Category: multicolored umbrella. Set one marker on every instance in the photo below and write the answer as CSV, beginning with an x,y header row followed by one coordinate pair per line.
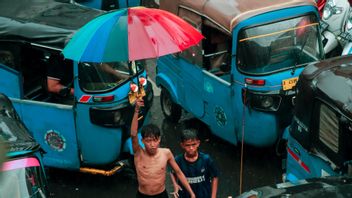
x,y
131,34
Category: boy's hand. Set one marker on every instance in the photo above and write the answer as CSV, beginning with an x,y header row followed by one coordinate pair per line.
x,y
139,103
176,189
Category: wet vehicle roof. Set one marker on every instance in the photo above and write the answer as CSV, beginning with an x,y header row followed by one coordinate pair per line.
x,y
12,131
47,23
314,187
230,12
333,78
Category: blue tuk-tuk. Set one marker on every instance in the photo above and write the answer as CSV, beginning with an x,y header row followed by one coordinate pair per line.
x,y
109,4
239,80
22,174
321,130
113,4
87,132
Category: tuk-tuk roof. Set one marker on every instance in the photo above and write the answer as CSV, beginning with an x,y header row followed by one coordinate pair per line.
x,y
13,132
331,80
230,12
48,23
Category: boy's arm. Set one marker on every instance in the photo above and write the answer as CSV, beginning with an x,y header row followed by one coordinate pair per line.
x,y
214,187
134,126
180,174
176,186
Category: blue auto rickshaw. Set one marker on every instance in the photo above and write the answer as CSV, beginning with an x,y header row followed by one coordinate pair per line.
x,y
113,4
321,130
22,174
87,132
109,4
240,79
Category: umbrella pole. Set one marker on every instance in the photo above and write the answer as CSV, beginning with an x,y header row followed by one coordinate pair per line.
x,y
139,92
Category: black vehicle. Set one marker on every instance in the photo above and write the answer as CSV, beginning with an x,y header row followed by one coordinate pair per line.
x,y
311,188
319,138
22,174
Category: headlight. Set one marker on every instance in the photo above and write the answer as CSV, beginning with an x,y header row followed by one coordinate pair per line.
x,y
117,116
110,116
327,12
330,9
263,101
349,22
266,101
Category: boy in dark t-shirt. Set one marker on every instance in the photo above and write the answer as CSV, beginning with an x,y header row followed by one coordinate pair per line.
x,y
198,167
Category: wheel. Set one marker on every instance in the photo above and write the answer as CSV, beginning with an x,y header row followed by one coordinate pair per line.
x,y
171,110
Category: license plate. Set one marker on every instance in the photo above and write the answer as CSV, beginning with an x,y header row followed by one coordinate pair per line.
x,y
288,84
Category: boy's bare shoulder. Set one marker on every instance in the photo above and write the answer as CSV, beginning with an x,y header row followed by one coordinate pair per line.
x,y
165,151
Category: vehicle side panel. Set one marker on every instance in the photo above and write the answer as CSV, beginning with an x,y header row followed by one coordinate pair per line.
x,y
52,125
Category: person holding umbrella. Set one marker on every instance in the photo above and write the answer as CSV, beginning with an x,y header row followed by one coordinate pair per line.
x,y
133,34
151,162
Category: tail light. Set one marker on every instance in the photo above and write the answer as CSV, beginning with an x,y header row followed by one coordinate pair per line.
x,y
103,98
258,82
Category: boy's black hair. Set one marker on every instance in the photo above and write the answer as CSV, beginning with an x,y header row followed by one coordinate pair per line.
x,y
150,130
189,134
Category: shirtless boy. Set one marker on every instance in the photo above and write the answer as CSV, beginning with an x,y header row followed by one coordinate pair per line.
x,y
151,162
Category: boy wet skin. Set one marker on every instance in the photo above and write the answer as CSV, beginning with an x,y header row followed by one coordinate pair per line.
x,y
151,162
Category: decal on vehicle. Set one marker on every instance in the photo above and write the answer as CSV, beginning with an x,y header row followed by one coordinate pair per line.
x,y
85,98
220,116
55,140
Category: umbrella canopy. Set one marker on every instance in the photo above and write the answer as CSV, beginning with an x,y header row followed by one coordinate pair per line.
x,y
131,34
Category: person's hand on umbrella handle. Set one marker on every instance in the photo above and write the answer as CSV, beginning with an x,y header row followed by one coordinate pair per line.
x,y
176,189
139,103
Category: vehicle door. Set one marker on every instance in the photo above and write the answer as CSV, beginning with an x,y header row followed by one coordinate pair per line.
x,y
51,124
218,92
207,81
102,109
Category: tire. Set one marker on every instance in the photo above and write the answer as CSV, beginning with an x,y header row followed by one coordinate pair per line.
x,y
171,110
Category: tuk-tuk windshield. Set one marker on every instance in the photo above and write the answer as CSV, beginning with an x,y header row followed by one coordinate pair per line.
x,y
279,46
22,178
100,77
